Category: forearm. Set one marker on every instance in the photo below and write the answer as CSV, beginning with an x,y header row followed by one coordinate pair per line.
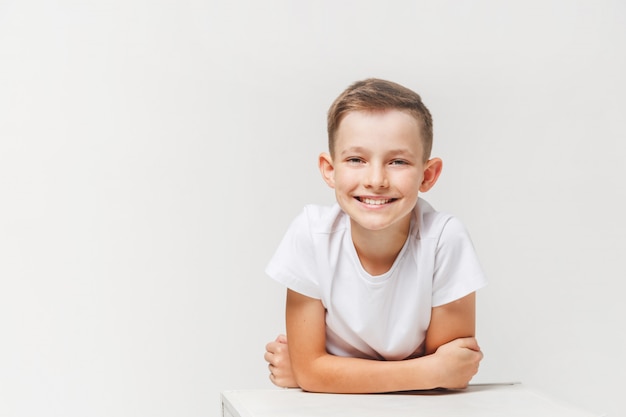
x,y
329,373
452,365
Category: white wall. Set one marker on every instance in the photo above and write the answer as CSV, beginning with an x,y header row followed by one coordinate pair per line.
x,y
152,154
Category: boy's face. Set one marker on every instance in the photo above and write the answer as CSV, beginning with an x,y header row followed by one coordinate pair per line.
x,y
378,169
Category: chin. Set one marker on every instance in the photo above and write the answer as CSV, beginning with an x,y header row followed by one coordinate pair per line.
x,y
374,226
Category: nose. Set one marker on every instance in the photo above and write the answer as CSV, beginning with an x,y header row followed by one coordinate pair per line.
x,y
377,177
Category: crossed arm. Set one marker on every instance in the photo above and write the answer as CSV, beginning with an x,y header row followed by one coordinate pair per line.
x,y
451,359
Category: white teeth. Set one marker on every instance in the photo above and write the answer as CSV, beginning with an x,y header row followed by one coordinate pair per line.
x,y
374,202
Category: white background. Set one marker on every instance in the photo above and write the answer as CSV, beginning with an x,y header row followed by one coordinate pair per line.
x,y
152,154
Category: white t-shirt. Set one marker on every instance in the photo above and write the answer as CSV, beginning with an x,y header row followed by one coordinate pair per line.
x,y
385,316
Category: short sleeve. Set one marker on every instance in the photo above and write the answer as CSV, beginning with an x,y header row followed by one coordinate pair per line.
x,y
294,262
457,269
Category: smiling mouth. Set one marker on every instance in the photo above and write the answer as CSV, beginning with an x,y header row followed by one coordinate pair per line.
x,y
375,201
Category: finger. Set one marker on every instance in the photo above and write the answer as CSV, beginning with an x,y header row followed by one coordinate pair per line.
x,y
469,343
276,372
268,356
273,379
281,338
277,347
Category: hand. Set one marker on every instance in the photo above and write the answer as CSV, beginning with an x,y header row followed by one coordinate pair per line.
x,y
457,362
277,355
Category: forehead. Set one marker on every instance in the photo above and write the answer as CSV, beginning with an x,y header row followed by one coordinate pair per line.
x,y
393,128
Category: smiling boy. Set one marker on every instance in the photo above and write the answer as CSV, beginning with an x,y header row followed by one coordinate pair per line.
x,y
380,286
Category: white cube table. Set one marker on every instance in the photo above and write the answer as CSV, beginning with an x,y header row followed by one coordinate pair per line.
x,y
480,400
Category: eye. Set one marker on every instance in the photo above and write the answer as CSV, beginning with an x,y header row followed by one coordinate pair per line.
x,y
354,160
399,162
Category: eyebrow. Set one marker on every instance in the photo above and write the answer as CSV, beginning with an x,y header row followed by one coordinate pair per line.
x,y
361,150
352,149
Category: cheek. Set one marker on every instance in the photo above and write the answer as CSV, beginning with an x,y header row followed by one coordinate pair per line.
x,y
409,183
345,180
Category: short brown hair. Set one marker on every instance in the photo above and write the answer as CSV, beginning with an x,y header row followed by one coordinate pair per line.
x,y
375,94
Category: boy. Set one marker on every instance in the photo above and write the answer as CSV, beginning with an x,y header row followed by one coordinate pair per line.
x,y
380,286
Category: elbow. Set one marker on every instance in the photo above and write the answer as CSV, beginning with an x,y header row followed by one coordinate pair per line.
x,y
311,380
307,381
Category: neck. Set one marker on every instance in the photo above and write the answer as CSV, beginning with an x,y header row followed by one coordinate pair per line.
x,y
378,249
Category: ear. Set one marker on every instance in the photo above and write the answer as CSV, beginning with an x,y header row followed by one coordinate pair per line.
x,y
431,174
327,169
